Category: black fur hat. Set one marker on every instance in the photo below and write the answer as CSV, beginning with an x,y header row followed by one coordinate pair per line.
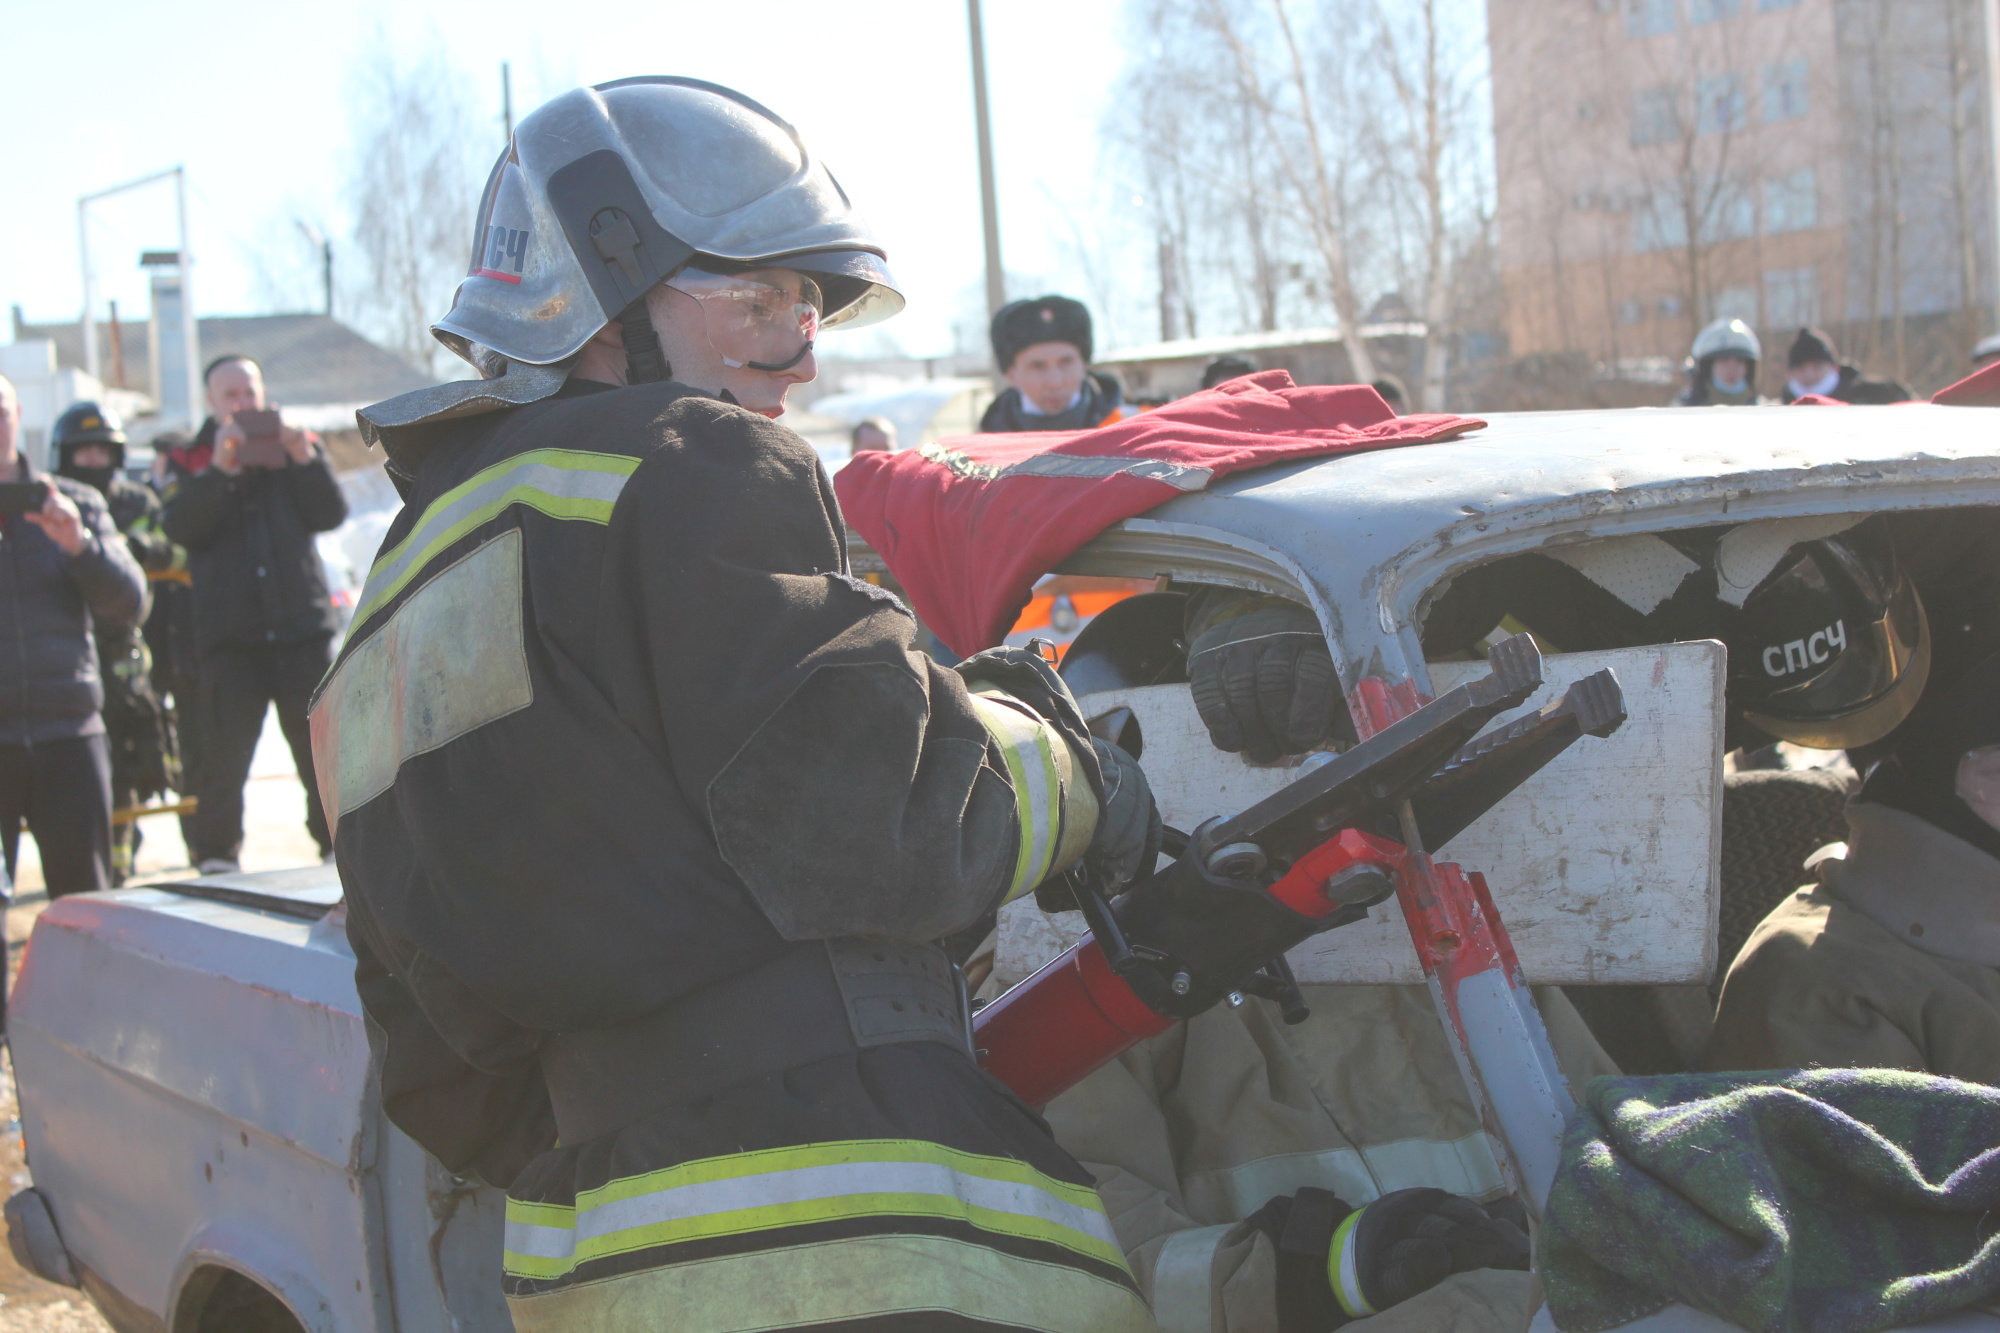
x,y
1225,368
1045,319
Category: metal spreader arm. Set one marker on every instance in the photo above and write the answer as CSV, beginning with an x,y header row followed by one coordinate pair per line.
x,y
1487,769
1361,787
1307,859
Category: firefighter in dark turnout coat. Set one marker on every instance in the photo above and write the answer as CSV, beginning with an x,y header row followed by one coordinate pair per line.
x,y
648,813
89,441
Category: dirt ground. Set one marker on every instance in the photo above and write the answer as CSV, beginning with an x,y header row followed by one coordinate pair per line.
x,y
274,838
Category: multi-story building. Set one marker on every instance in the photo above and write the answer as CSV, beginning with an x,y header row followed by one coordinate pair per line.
x,y
1662,163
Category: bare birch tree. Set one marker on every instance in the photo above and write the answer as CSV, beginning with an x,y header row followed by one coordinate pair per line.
x,y
419,151
1427,143
1289,109
1309,159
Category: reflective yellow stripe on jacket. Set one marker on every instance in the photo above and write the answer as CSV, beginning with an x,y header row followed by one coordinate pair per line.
x,y
1055,804
847,1283
562,483
812,1183
450,658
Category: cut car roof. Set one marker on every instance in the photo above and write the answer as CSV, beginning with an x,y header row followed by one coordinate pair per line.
x,y
1365,536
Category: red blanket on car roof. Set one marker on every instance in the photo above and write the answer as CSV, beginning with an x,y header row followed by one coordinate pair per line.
x,y
968,525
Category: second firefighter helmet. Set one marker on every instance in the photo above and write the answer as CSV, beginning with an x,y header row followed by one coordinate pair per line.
x,y
88,422
607,190
1832,649
1726,337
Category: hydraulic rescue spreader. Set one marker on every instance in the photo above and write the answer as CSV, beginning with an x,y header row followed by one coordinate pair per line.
x,y
1313,857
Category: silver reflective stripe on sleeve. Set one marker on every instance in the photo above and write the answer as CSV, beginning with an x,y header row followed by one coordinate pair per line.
x,y
1183,1292
1028,747
449,660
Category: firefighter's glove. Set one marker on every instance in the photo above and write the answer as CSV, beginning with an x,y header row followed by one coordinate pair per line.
x,y
1260,672
1127,842
1025,676
1336,1263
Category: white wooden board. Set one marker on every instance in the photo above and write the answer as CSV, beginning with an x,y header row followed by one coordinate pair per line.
x,y
1605,865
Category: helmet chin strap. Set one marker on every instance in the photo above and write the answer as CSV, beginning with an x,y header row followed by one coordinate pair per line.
x,y
769,366
644,362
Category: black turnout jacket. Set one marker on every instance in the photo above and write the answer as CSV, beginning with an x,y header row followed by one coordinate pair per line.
x,y
613,723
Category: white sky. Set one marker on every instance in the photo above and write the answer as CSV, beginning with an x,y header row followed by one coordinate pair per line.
x,y
251,99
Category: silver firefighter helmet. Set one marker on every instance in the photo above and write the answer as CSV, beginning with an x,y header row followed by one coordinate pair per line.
x,y
1726,337
606,190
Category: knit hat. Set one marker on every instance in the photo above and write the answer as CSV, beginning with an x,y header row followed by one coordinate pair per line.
x,y
1812,345
1046,319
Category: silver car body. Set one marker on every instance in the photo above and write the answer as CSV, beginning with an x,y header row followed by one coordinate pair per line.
x,y
196,1101
194,1073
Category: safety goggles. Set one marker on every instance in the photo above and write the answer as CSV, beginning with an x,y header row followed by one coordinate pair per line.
x,y
755,321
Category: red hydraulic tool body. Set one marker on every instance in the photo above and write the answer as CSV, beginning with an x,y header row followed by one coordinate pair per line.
x,y
1310,858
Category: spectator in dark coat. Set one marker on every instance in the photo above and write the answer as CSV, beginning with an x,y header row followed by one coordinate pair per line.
x,y
1224,369
872,433
263,622
170,626
1816,368
88,443
1394,394
1043,349
61,568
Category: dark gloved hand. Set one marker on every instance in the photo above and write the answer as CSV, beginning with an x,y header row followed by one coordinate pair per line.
x,y
1336,1263
1127,844
1022,673
1260,673
1129,832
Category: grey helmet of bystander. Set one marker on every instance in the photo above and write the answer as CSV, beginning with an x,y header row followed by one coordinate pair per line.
x,y
1722,338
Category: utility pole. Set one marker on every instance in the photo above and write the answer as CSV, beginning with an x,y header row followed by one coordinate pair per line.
x,y
507,99
117,350
989,204
89,287
190,334
1992,8
316,237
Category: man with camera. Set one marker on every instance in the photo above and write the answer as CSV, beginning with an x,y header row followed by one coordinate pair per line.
x,y
64,566
246,500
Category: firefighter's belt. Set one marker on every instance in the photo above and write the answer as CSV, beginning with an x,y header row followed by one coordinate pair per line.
x,y
816,1001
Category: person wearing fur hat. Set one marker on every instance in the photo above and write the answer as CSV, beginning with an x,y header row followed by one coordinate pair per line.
x,y
1892,960
1042,347
1816,369
1224,369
